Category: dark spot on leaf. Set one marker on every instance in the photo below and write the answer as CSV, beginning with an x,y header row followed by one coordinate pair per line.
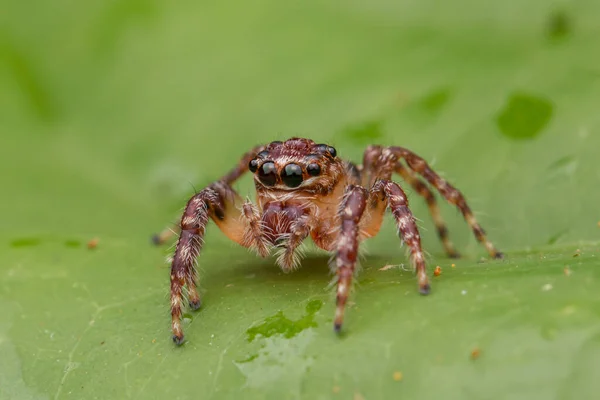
x,y
558,25
561,163
72,243
365,132
279,324
524,116
25,242
248,359
435,101
556,237
561,168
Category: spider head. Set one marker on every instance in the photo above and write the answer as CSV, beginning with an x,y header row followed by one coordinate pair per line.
x,y
296,164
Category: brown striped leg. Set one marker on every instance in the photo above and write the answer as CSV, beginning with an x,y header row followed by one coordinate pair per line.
x,y
451,194
407,227
421,188
351,210
219,202
371,166
289,258
190,241
229,178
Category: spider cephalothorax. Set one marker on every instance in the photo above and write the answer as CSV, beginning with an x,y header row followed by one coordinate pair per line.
x,y
304,189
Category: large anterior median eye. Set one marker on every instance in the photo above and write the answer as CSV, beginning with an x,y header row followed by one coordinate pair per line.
x,y
267,173
292,175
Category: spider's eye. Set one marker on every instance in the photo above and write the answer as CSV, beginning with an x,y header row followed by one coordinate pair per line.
x,y
292,175
313,169
267,173
253,165
263,154
331,150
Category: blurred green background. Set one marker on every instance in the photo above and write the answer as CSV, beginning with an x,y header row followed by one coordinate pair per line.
x,y
111,112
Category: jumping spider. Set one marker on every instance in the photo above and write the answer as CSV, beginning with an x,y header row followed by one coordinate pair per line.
x,y
303,189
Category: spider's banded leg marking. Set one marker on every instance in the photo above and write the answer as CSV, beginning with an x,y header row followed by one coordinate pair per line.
x,y
422,190
289,259
407,227
351,211
193,224
218,201
371,166
229,178
450,193
378,163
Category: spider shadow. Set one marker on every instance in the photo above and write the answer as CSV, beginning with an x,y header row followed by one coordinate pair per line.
x,y
313,267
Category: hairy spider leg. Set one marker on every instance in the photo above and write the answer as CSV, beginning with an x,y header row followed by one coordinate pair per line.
x,y
389,192
422,190
379,163
238,221
356,223
449,192
350,212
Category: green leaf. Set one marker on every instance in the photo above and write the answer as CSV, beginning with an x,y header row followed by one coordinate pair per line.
x,y
114,114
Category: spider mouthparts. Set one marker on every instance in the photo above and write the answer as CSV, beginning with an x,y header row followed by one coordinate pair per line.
x,y
178,340
425,289
499,255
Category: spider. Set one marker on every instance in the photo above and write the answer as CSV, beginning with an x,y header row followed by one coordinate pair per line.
x,y
304,189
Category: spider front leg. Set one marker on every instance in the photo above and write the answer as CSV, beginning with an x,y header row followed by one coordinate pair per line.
x,y
221,203
183,271
384,194
350,213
